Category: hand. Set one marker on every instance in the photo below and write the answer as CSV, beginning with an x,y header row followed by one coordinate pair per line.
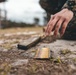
x,y
61,18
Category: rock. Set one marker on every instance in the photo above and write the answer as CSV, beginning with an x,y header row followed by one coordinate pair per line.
x,y
20,62
73,67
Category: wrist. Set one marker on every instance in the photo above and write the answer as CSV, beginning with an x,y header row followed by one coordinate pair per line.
x,y
66,9
71,12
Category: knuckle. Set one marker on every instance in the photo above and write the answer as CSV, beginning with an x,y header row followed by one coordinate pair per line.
x,y
57,26
58,16
63,18
52,24
63,27
59,23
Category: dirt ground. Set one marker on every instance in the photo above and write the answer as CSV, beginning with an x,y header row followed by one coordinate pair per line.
x,y
14,61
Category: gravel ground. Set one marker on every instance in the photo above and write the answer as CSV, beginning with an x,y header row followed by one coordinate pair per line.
x,y
14,61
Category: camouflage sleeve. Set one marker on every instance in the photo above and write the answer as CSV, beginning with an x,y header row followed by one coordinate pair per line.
x,y
49,6
71,5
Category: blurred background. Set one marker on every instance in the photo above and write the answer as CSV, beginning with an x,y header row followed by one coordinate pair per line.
x,y
21,13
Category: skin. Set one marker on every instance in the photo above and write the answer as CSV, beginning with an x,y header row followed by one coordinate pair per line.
x,y
59,20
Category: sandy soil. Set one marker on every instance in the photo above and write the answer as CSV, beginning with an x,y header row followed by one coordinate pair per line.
x,y
14,61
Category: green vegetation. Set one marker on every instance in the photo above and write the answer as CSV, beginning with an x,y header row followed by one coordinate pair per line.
x,y
65,51
5,69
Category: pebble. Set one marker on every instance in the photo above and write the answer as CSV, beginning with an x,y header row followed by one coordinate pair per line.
x,y
20,62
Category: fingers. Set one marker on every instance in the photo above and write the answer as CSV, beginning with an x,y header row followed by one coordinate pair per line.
x,y
51,25
65,23
48,25
57,27
60,19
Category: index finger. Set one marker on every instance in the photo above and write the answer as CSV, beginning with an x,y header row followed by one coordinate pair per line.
x,y
52,17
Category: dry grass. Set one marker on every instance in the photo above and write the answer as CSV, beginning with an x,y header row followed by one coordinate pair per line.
x,y
25,29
